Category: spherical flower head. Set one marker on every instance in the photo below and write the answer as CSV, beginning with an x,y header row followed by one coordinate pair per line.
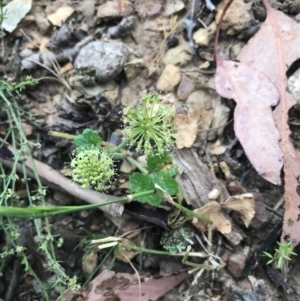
x,y
149,126
177,240
92,168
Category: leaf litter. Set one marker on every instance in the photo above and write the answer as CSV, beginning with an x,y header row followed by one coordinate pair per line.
x,y
194,120
278,41
266,58
216,212
126,287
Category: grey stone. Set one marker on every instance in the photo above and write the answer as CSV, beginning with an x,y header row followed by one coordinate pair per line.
x,y
102,60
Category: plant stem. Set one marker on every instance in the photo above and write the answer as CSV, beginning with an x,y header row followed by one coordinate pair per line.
x,y
189,212
130,245
61,135
44,211
118,147
112,148
138,165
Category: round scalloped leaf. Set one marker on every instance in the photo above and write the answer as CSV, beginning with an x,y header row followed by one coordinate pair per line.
x,y
156,161
88,139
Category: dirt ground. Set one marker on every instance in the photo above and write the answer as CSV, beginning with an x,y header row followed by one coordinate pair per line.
x,y
94,57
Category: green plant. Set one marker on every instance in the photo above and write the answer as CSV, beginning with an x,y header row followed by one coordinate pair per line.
x,y
11,181
283,252
17,87
92,168
155,174
149,126
2,17
177,240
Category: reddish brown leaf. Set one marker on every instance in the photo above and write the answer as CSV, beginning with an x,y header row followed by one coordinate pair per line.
x,y
254,125
125,287
272,50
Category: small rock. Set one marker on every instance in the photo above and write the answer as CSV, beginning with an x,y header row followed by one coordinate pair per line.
x,y
214,194
203,36
169,78
260,288
185,88
217,148
245,284
238,17
126,167
116,8
122,29
27,129
41,20
95,228
172,41
105,59
236,264
173,7
179,56
25,53
142,160
204,65
133,68
236,49
89,263
116,137
124,185
155,9
84,213
207,56
61,15
234,188
291,7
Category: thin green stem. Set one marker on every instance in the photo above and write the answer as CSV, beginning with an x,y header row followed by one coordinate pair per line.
x,y
118,147
44,211
157,252
138,165
192,213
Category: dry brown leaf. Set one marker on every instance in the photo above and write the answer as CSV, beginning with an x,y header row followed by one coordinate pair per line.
x,y
272,51
244,204
126,255
254,125
200,107
213,211
186,129
125,287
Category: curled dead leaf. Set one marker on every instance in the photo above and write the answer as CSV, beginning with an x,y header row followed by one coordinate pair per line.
x,y
186,128
244,204
214,212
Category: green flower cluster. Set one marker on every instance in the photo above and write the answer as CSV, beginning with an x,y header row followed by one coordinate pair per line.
x,y
92,168
177,240
149,126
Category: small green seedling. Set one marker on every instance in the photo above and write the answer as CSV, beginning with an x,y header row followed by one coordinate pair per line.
x,y
283,252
